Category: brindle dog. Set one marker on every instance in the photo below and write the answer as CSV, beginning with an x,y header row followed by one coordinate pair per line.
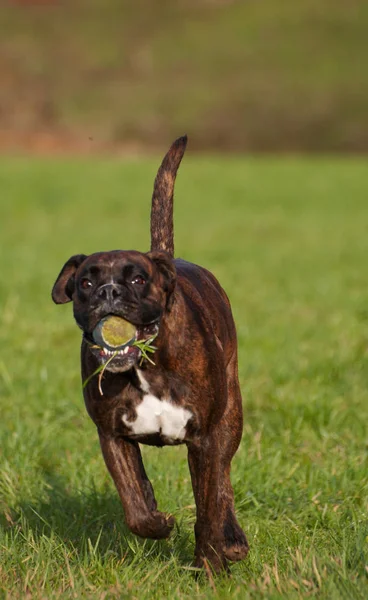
x,y
189,396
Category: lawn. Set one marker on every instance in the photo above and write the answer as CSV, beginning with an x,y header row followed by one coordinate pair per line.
x,y
288,239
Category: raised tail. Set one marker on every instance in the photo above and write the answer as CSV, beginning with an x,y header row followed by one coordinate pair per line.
x,y
162,227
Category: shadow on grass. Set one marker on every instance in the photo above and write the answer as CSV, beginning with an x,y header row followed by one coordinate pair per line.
x,y
91,524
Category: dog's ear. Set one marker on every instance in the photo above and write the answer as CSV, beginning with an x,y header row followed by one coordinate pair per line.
x,y
166,267
64,285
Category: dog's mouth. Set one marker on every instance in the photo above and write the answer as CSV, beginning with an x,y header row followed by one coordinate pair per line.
x,y
117,357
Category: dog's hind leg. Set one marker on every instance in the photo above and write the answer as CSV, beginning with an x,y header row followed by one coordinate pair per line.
x,y
124,462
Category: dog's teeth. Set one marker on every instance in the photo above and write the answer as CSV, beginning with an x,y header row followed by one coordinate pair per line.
x,y
126,350
104,351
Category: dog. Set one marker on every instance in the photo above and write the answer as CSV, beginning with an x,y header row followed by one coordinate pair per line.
x,y
190,395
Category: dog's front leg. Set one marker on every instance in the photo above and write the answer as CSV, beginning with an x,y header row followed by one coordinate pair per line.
x,y
204,466
219,537
124,462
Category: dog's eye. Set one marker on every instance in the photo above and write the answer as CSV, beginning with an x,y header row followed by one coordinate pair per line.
x,y
138,280
86,283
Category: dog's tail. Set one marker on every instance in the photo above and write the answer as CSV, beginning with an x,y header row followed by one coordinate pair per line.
x,y
162,228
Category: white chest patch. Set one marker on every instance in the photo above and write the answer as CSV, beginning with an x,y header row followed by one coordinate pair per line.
x,y
159,416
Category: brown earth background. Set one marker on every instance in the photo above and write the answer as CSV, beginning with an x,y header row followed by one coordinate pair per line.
x,y
250,75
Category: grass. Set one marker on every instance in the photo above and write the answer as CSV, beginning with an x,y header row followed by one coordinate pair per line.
x,y
288,239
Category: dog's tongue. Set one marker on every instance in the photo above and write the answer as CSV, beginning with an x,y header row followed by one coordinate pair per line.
x,y
114,332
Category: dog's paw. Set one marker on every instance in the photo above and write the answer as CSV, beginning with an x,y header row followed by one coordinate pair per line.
x,y
163,525
211,561
236,552
235,545
156,525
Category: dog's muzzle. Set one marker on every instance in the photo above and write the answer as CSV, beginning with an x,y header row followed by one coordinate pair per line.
x,y
127,356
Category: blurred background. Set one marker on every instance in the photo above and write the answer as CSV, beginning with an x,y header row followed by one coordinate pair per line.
x,y
245,75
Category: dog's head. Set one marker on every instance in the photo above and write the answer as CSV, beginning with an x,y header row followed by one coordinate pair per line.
x,y
135,286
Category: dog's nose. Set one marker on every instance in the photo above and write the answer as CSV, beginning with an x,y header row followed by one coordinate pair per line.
x,y
108,292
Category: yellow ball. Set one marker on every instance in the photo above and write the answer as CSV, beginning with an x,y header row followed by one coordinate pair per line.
x,y
113,332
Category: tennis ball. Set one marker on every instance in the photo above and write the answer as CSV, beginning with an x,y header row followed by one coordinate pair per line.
x,y
113,332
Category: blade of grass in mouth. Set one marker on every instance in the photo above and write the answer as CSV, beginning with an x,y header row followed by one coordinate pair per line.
x,y
145,346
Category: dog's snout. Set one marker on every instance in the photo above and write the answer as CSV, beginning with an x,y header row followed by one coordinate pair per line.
x,y
109,292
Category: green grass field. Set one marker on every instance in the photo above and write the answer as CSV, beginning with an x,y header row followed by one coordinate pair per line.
x,y
288,240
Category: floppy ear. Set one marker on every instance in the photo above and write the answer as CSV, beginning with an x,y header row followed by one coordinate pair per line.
x,y
64,285
166,266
